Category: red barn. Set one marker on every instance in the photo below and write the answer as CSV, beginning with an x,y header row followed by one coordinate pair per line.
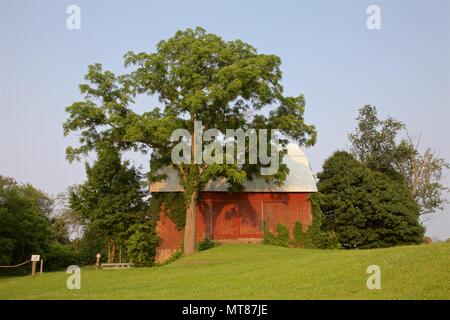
x,y
239,216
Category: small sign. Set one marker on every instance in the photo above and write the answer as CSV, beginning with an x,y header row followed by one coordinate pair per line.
x,y
35,257
98,255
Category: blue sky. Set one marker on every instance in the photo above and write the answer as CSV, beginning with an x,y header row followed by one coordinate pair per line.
x,y
328,54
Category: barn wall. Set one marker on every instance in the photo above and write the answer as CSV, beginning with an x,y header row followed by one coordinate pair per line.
x,y
171,238
224,216
241,215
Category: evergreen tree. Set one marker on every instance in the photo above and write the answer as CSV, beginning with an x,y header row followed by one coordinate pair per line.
x,y
365,208
112,199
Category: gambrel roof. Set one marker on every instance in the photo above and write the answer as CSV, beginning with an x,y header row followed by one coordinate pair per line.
x,y
300,178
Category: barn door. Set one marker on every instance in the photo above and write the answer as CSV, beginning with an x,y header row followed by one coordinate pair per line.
x,y
224,220
234,220
250,221
275,213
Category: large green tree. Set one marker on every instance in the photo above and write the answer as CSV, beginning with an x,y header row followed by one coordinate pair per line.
x,y
374,141
380,145
28,226
112,198
197,76
25,226
365,208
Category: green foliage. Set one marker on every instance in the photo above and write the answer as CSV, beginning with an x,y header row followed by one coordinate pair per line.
x,y
281,238
319,239
59,230
375,144
59,257
172,204
298,232
315,236
207,244
141,246
282,235
366,209
112,199
156,205
24,227
86,248
6,250
197,76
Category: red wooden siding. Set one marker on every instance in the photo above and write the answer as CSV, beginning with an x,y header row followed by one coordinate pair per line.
x,y
171,238
224,216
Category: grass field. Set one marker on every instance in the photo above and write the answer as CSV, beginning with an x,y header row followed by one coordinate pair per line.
x,y
258,272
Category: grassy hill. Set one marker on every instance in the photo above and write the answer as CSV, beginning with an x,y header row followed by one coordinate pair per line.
x,y
258,272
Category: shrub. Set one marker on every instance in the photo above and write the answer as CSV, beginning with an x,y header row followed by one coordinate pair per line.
x,y
298,232
315,236
280,239
141,246
323,240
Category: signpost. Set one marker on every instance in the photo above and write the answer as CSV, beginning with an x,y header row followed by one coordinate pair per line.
x,y
34,259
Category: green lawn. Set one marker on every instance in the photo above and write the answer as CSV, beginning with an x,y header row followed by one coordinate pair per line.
x,y
258,272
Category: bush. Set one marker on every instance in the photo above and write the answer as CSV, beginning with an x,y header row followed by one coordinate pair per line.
x,y
322,240
315,236
298,232
207,244
280,239
141,246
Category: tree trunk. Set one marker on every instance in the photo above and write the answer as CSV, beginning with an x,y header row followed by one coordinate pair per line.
x,y
189,229
112,255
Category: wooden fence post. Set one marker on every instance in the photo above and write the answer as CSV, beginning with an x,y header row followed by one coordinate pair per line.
x,y
33,268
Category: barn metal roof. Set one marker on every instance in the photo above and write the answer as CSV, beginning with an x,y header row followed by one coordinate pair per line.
x,y
300,178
